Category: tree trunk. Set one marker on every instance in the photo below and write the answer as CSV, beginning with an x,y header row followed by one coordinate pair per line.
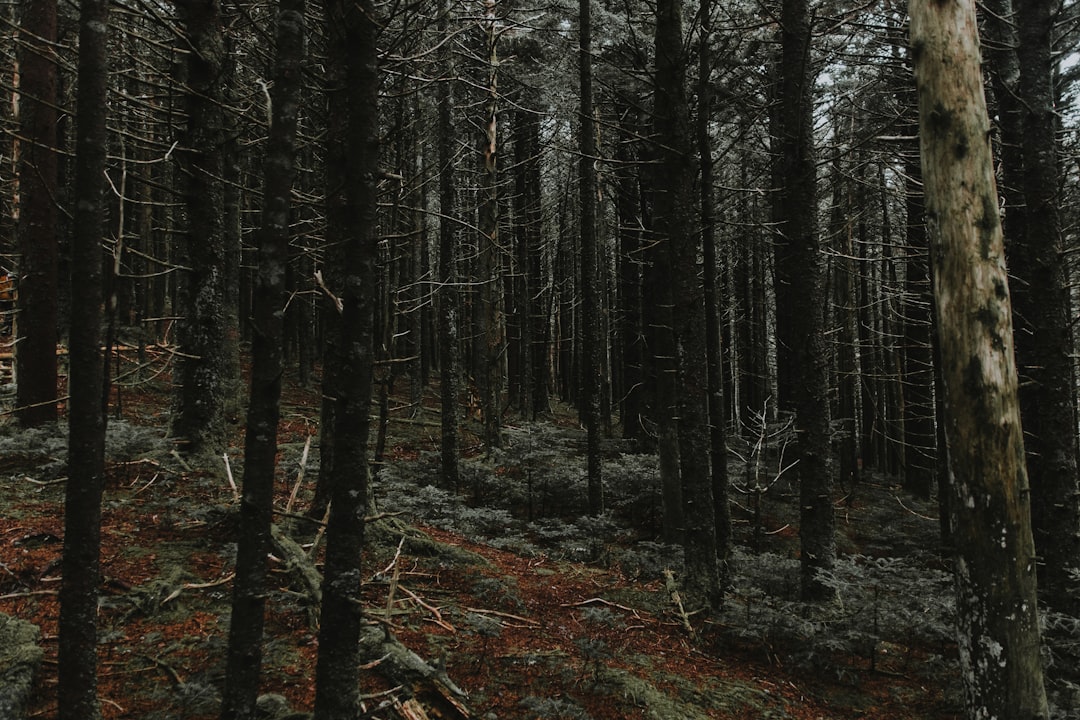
x,y
80,565
449,443
997,610
800,299
336,689
590,331
244,660
674,209
198,421
1044,340
717,419
38,182
630,330
490,356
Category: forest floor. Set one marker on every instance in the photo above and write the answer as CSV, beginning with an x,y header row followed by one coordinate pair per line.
x,y
534,612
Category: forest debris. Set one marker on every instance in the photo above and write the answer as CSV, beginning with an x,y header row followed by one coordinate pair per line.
x,y
431,687
229,476
299,565
436,613
507,615
299,475
673,592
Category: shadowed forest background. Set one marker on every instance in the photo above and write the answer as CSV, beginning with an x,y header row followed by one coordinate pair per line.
x,y
485,358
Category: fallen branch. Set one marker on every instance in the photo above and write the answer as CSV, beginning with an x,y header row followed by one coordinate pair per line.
x,y
676,598
481,611
299,475
438,618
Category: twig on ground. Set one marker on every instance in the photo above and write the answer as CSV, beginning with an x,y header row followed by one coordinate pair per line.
x,y
299,475
229,476
481,611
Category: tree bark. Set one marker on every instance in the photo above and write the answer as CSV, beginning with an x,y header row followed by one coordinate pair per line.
x,y
801,300
244,659
336,689
198,421
1044,340
80,565
590,330
674,209
997,610
449,374
38,225
717,414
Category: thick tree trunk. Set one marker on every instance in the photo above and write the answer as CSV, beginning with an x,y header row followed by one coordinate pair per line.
x,y
244,660
80,566
590,331
38,182
198,421
997,610
674,212
336,689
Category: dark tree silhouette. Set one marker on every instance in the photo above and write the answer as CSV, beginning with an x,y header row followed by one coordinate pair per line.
x,y
80,566
800,297
198,420
35,352
336,689
674,213
590,347
244,660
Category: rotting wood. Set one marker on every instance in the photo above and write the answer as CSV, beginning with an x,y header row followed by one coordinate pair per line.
x,y
673,592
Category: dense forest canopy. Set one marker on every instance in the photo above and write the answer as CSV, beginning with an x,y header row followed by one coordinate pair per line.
x,y
718,232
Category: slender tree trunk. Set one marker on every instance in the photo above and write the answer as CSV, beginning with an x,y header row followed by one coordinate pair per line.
x,y
1044,345
997,610
331,272
244,661
920,433
37,316
674,212
198,421
490,353
336,689
800,300
590,370
717,419
80,566
631,333
449,443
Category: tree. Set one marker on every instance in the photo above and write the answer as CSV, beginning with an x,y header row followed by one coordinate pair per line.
x,y
198,420
35,354
717,415
997,610
80,565
244,659
336,689
674,209
449,444
1043,313
800,298
590,346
